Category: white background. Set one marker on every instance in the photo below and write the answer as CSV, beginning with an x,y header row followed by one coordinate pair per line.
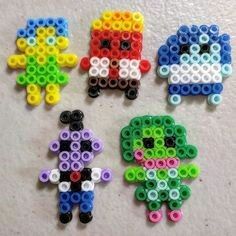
x,y
26,208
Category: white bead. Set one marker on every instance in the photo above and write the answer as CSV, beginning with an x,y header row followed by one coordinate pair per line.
x,y
103,72
217,78
104,62
135,74
174,79
54,176
195,68
124,63
87,185
94,61
96,175
216,68
206,78
134,64
93,71
205,68
184,68
195,78
64,186
123,73
185,79
174,69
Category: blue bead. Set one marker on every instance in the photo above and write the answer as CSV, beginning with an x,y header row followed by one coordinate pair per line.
x,y
194,29
21,33
61,21
185,89
64,207
206,89
61,31
217,88
183,39
203,29
225,58
174,89
214,29
214,39
163,60
195,89
31,23
225,48
41,22
183,29
87,196
174,59
86,206
173,39
224,38
50,22
75,197
64,197
193,39
31,32
163,50
174,49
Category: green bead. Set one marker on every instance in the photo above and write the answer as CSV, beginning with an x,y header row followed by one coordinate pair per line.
x,y
152,195
151,184
183,171
41,80
31,60
126,144
174,204
51,79
180,131
169,131
137,144
173,183
158,132
160,152
168,121
140,175
126,132
185,192
147,132
180,141
170,152
41,70
21,79
51,60
154,205
63,79
52,69
136,122
163,195
193,171
31,69
128,156
191,151
137,133
162,174
149,153
31,79
130,175
159,142
140,193
157,120
146,121
181,152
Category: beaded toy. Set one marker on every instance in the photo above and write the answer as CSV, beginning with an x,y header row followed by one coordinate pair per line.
x,y
115,53
195,61
41,44
159,147
76,149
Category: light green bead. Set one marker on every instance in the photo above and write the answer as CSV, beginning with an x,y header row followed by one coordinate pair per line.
x,y
195,58
215,48
173,173
184,58
194,48
215,58
162,185
226,70
163,71
205,58
174,194
203,38
152,195
151,174
214,99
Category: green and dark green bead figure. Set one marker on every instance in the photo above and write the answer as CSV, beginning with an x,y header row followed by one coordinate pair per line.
x,y
159,147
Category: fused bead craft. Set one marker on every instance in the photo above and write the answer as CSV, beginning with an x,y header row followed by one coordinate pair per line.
x,y
115,53
195,61
158,146
76,149
41,44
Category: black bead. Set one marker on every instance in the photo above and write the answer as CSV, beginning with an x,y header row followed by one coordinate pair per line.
x,y
170,141
65,145
75,186
148,142
65,217
76,126
125,45
86,174
77,115
85,217
105,43
94,91
131,93
65,117
85,146
184,49
205,48
65,176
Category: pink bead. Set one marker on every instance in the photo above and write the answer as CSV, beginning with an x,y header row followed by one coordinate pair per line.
x,y
175,215
160,163
149,164
155,216
172,162
138,155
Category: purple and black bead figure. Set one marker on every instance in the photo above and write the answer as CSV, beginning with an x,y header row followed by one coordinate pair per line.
x,y
76,149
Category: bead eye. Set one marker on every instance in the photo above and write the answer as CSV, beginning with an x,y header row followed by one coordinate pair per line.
x,y
125,45
148,142
184,49
170,141
105,43
205,48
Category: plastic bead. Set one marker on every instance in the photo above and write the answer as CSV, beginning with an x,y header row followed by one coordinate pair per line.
x,y
76,147
158,146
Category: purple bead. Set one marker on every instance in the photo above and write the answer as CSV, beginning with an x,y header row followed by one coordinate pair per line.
x,y
54,146
87,157
44,176
64,156
106,175
86,134
64,166
75,146
97,145
77,165
64,135
75,135
75,156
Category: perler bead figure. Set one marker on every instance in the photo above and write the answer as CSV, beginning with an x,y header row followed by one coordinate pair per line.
x,y
195,61
158,146
115,53
41,44
76,149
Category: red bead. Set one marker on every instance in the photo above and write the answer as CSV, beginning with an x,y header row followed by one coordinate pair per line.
x,y
113,73
95,34
115,54
135,55
115,44
144,66
116,35
136,45
95,43
124,54
106,34
85,63
105,52
125,35
95,52
136,36
75,176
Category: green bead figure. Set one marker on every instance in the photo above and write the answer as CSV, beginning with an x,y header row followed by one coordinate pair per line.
x,y
159,147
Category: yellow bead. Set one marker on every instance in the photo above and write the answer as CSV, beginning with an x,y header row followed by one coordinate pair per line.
x,y
21,44
126,26
126,16
116,25
30,51
41,59
40,41
50,31
41,50
107,15
62,42
71,60
21,61
33,99
106,25
33,88
52,88
52,98
137,27
52,50
12,61
137,16
41,31
61,60
116,16
97,24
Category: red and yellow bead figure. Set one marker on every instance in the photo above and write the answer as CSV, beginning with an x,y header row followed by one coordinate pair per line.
x,y
115,53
